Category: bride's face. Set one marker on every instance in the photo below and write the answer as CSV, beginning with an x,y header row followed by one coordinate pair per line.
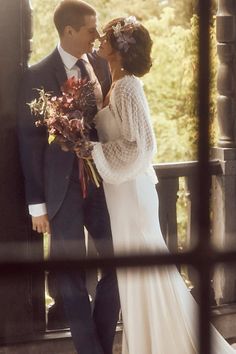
x,y
105,49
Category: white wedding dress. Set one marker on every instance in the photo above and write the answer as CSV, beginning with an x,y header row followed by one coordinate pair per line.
x,y
159,314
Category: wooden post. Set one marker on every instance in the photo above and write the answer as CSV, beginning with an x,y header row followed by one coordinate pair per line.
x,y
167,189
224,221
225,32
224,186
21,300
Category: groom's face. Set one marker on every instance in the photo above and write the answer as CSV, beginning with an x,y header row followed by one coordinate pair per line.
x,y
83,39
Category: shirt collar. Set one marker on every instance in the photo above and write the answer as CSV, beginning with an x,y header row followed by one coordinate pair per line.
x,y
69,60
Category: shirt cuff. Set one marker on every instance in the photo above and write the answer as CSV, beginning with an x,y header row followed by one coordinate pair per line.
x,y
37,209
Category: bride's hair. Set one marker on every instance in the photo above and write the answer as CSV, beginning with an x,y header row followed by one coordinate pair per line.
x,y
133,42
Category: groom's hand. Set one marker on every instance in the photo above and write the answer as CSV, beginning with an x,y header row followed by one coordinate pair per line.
x,y
41,224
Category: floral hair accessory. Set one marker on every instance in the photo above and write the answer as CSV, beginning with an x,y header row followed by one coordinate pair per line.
x,y
124,33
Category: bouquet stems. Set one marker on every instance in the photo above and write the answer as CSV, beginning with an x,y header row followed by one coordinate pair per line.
x,y
87,172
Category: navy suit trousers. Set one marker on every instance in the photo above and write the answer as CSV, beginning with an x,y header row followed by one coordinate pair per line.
x,y
92,331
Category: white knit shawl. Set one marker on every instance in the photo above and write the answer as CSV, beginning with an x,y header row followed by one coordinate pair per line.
x,y
131,154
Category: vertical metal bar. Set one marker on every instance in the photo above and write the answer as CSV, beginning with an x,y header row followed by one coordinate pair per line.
x,y
204,177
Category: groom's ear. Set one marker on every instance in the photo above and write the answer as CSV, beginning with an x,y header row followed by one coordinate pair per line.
x,y
68,30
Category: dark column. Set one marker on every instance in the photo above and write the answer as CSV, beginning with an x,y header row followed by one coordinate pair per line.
x,y
225,31
167,192
224,186
21,295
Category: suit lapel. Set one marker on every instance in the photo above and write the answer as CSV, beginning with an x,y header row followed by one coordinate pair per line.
x,y
60,72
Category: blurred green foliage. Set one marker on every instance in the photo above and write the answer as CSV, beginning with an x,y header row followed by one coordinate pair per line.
x,y
171,85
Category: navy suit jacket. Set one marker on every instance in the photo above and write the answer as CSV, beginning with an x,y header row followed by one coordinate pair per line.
x,y
46,167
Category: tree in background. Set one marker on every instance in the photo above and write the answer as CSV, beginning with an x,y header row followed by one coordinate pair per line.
x,y
171,86
186,9
45,36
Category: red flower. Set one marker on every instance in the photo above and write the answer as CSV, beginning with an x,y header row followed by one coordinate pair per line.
x,y
68,119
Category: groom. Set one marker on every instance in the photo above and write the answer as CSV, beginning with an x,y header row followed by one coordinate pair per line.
x,y
52,185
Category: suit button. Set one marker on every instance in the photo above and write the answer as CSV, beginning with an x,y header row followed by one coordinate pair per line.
x,y
67,177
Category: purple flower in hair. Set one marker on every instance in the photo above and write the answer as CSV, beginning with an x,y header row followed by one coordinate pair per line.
x,y
124,33
124,40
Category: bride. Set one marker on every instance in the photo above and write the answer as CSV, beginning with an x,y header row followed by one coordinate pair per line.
x,y
159,313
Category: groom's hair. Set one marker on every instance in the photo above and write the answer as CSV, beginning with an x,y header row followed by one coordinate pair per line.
x,y
71,13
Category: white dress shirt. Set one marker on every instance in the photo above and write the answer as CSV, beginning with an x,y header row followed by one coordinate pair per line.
x,y
72,69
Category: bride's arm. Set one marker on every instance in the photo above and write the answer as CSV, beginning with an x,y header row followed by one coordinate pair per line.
x,y
123,159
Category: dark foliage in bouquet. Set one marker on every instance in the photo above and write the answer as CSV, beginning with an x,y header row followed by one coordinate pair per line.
x,y
67,117
68,120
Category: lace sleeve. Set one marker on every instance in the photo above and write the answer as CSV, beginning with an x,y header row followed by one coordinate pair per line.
x,y
131,154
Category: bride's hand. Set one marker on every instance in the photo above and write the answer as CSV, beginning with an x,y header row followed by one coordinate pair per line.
x,y
82,156
84,151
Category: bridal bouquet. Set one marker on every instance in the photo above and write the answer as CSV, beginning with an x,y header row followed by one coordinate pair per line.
x,y
68,119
